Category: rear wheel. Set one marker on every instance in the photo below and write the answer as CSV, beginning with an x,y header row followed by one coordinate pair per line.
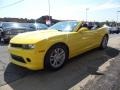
x,y
55,57
104,42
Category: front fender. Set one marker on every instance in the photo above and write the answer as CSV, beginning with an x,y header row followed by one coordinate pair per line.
x,y
52,41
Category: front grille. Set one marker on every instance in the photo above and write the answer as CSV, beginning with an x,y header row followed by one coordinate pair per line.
x,y
17,58
16,45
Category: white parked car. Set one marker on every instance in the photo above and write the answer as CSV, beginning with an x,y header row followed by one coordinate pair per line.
x,y
114,30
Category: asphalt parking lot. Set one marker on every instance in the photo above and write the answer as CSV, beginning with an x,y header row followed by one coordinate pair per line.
x,y
75,71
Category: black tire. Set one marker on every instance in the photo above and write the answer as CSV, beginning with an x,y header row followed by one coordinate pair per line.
x,y
104,42
117,32
56,57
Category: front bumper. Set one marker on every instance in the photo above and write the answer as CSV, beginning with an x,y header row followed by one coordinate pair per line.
x,y
31,59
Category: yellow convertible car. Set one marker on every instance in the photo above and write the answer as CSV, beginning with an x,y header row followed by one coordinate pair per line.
x,y
50,49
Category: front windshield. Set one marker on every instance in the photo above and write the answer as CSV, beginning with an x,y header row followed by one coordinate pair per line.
x,y
65,26
7,24
13,25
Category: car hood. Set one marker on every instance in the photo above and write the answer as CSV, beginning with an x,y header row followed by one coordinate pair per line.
x,y
35,36
14,31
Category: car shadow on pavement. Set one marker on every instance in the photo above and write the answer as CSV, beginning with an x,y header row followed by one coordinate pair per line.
x,y
73,72
14,72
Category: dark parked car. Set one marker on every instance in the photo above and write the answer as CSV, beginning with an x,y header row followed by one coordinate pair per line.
x,y
10,29
37,26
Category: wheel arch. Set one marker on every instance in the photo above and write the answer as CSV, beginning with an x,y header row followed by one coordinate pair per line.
x,y
59,43
106,35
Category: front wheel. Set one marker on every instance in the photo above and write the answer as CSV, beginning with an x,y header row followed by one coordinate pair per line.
x,y
56,57
104,42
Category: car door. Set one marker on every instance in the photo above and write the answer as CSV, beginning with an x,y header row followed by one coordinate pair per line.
x,y
90,39
82,41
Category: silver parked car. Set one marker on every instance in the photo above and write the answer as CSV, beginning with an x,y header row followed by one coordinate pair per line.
x,y
114,30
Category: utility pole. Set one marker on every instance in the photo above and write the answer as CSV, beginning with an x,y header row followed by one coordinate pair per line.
x,y
86,13
49,8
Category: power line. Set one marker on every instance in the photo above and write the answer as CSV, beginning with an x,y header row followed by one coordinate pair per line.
x,y
12,4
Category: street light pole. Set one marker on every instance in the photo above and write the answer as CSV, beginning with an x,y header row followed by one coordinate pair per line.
x,y
87,13
49,9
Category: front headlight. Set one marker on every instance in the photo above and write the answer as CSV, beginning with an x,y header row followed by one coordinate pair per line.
x,y
28,46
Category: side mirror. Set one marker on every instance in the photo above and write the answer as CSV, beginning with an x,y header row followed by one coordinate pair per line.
x,y
83,29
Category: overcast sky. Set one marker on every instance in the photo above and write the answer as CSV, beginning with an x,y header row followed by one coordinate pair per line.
x,y
98,10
